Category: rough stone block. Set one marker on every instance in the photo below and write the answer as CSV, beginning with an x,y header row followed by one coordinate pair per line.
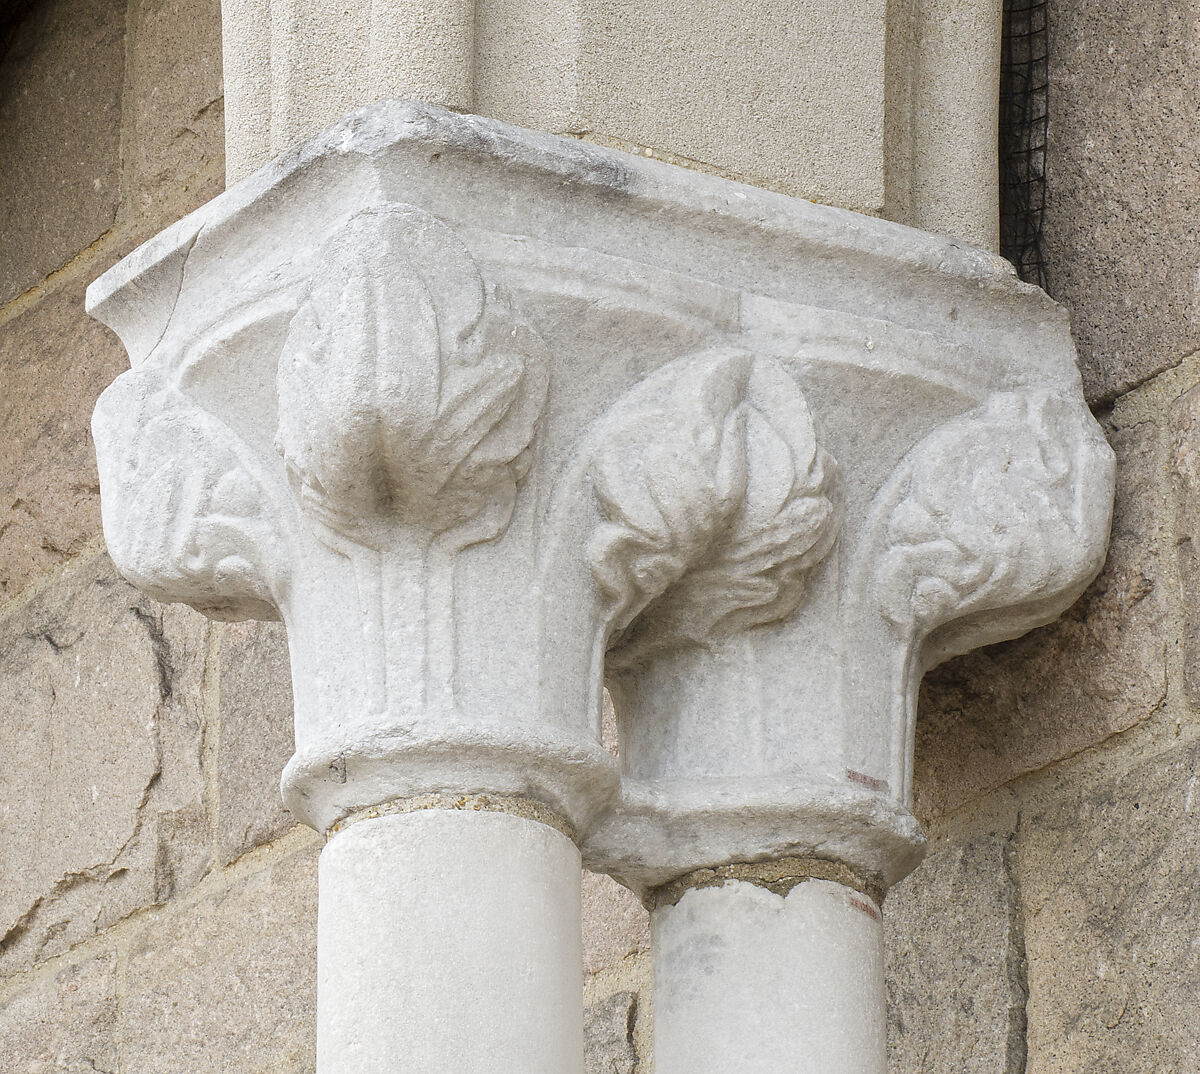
x,y
956,994
1123,184
1108,879
1012,708
608,1026
60,125
65,1023
256,737
54,362
174,115
615,923
229,983
101,725
1185,473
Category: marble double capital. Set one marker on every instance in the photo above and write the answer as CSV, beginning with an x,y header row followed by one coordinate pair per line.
x,y
493,418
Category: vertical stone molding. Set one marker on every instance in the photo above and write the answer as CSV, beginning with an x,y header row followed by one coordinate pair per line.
x,y
941,120
490,418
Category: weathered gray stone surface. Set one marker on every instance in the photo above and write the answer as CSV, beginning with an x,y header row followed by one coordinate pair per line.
x,y
956,992
608,1035
1185,473
1101,668
101,728
615,923
60,125
63,1024
175,120
214,483
1123,184
255,736
1108,879
54,362
228,984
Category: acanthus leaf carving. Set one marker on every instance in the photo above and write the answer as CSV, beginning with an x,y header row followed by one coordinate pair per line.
x,y
990,526
409,390
717,498
995,511
189,512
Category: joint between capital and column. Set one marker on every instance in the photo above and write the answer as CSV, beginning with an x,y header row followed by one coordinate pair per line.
x,y
513,805
780,876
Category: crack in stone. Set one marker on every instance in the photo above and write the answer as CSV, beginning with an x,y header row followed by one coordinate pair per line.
x,y
59,643
1016,1059
631,1017
187,255
105,871
98,1070
79,878
161,649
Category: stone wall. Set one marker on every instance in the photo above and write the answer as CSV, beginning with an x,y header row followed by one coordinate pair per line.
x,y
1052,929
157,910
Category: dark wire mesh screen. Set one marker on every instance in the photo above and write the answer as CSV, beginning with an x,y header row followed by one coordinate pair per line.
x,y
1024,116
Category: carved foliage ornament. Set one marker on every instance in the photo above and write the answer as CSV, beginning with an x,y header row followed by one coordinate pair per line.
x,y
408,391
990,512
715,497
408,396
191,512
987,529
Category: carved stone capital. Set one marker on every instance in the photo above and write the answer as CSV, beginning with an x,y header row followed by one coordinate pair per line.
x,y
490,417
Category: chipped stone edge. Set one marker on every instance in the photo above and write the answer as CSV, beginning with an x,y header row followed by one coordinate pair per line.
x,y
421,128
779,876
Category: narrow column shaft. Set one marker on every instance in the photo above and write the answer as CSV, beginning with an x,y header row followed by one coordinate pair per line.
x,y
747,981
956,180
246,73
449,943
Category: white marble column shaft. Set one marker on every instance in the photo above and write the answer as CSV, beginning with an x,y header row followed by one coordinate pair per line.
x,y
747,981
449,943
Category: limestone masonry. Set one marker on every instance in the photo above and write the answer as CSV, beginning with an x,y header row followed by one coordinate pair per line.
x,y
612,507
